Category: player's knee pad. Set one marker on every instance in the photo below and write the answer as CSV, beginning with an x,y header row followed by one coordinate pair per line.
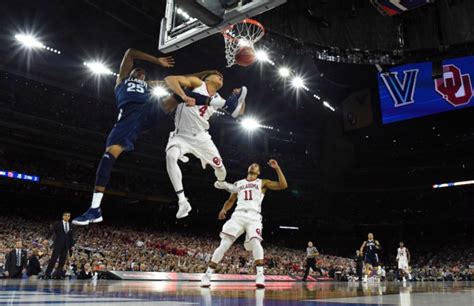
x,y
220,173
226,243
257,249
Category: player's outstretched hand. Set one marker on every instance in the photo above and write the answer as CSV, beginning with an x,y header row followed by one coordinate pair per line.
x,y
222,215
236,90
166,62
273,163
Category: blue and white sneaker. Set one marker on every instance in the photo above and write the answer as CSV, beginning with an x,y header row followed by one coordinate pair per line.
x,y
235,102
92,215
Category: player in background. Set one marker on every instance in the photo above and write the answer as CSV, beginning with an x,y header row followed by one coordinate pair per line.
x,y
191,134
403,259
246,218
371,258
139,110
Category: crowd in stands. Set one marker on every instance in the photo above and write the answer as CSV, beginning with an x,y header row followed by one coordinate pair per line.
x,y
104,248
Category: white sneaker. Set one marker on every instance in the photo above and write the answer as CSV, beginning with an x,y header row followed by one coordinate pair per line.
x,y
260,281
225,186
184,209
404,279
206,281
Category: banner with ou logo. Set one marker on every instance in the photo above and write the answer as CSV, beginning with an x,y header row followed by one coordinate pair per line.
x,y
409,91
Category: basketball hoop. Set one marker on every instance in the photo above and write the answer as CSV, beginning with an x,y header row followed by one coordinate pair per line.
x,y
242,34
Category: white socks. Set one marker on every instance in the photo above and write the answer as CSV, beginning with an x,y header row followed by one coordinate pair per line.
x,y
96,199
259,269
181,196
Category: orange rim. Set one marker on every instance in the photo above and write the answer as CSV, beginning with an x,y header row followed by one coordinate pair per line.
x,y
248,20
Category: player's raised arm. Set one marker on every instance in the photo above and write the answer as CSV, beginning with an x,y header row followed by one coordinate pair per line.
x,y
131,55
272,185
176,83
227,206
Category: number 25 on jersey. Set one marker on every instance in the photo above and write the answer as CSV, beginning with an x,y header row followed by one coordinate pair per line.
x,y
134,87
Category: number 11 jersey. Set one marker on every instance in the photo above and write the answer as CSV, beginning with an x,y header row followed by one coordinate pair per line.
x,y
249,195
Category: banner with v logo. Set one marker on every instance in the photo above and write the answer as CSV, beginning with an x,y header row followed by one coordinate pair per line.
x,y
409,91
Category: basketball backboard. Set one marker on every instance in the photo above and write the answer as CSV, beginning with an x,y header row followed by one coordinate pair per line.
x,y
179,29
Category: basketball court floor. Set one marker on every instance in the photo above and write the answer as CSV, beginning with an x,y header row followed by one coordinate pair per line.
x,y
103,292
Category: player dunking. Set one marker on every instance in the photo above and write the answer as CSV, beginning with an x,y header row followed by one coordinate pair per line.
x,y
249,194
403,259
191,130
371,258
138,112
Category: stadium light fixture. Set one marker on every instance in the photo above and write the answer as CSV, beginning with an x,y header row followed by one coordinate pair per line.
x,y
297,82
250,124
160,92
325,103
29,41
262,56
98,68
284,72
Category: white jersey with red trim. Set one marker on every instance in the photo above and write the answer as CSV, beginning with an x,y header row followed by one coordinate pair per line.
x,y
402,254
249,195
194,119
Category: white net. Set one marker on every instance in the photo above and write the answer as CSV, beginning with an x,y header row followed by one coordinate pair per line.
x,y
243,34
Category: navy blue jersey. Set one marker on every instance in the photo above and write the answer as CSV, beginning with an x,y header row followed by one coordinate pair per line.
x,y
370,247
132,90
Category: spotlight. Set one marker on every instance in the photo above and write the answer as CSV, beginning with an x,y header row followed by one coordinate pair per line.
x,y
262,56
98,68
284,72
250,124
297,82
325,103
159,92
28,41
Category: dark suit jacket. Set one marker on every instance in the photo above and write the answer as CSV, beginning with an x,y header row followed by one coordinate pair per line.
x,y
10,264
61,239
34,267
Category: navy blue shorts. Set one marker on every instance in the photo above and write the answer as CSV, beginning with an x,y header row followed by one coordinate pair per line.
x,y
372,259
133,120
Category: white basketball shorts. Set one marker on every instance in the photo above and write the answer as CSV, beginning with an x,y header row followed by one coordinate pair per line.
x,y
200,145
249,222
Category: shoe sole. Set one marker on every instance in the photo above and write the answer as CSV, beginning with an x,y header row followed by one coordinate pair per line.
x,y
260,285
185,215
241,100
83,223
205,286
97,220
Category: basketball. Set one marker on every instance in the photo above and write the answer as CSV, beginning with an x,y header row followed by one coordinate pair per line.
x,y
245,56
